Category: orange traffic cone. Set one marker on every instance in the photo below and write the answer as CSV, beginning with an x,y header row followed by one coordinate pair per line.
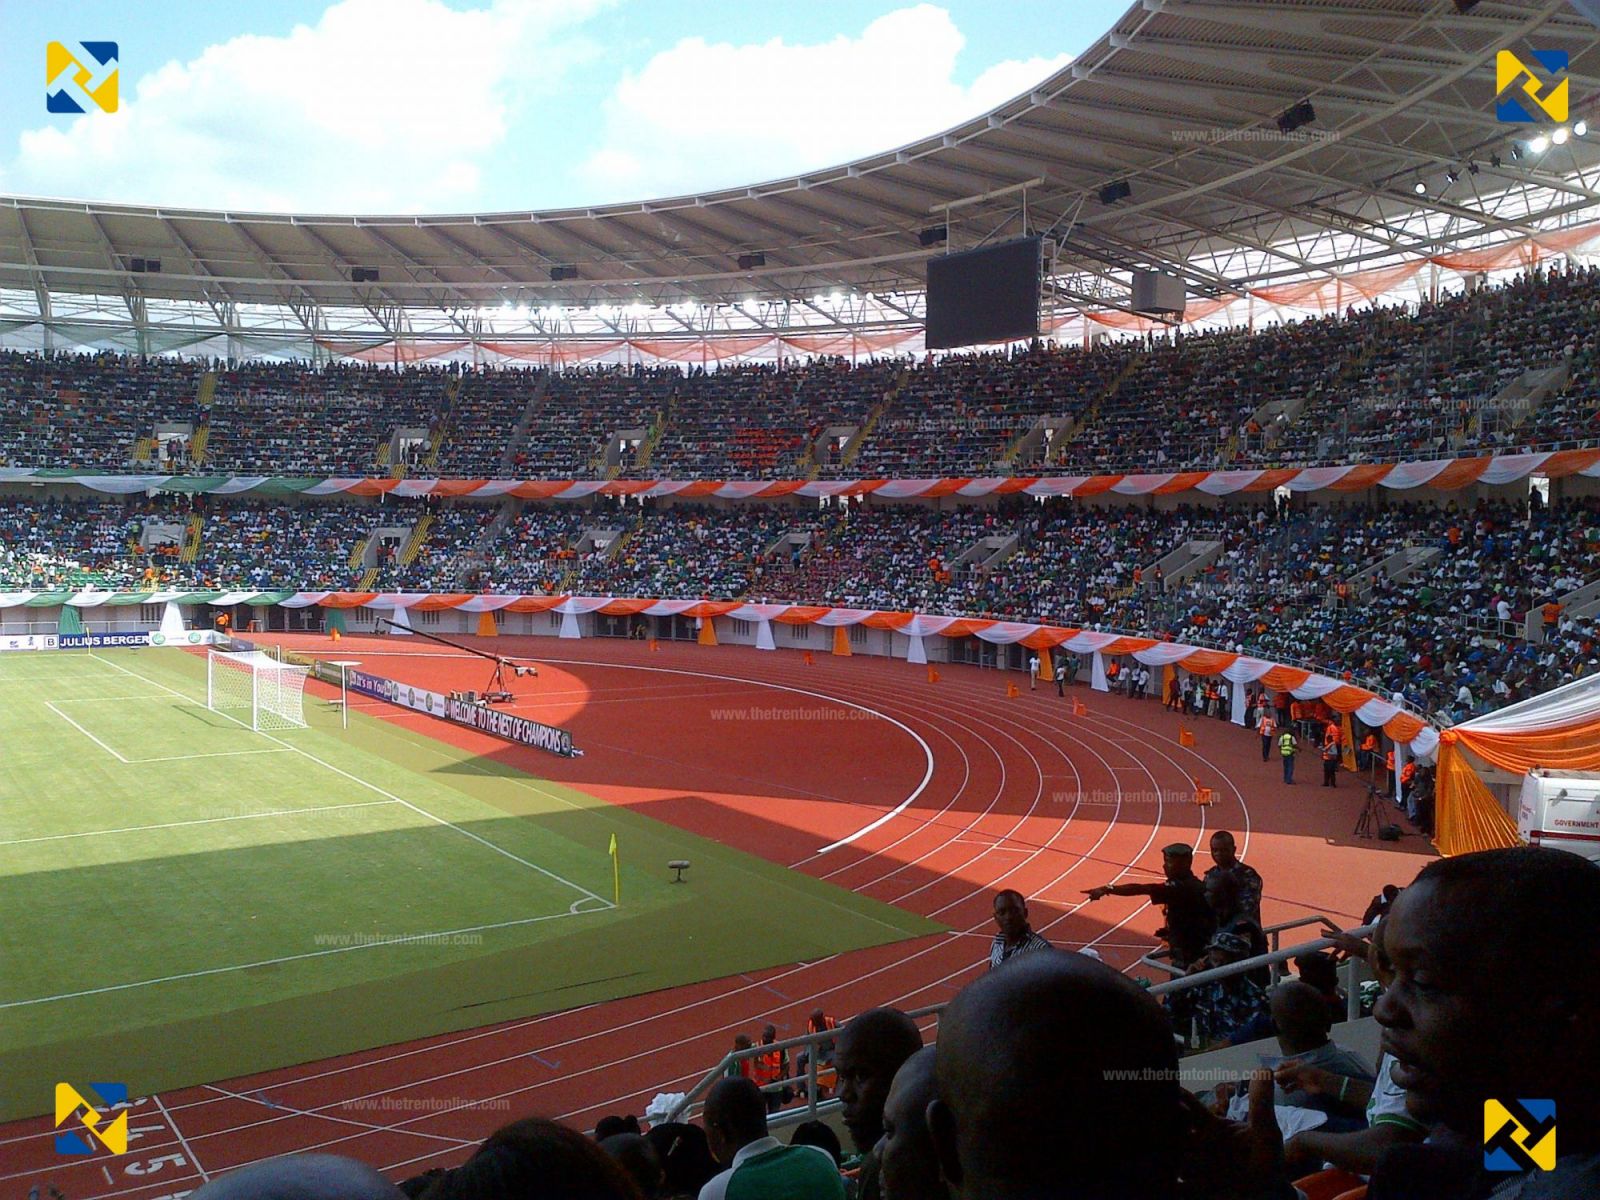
x,y
654,645
1185,737
1204,796
806,658
1012,691
1080,709
933,676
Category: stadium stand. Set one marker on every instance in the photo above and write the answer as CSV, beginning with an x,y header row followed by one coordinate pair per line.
x,y
1490,370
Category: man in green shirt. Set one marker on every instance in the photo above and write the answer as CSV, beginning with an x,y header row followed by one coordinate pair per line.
x,y
760,1167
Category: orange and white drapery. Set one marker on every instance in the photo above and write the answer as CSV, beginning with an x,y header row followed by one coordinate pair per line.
x,y
1401,725
1442,474
1559,730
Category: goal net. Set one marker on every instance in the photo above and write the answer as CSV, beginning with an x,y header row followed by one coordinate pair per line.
x,y
256,690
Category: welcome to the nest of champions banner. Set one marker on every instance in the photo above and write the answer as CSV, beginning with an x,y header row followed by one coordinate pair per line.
x,y
504,725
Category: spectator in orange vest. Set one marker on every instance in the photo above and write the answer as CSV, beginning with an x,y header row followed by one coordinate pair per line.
x,y
819,1022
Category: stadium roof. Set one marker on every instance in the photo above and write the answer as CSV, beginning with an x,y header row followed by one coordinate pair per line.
x,y
1181,101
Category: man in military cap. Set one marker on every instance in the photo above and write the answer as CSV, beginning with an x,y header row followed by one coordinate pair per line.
x,y
1190,922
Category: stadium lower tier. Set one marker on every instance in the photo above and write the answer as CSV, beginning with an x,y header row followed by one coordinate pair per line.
x,y
1460,602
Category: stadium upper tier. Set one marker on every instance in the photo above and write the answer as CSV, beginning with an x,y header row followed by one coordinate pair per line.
x,y
1492,370
1419,599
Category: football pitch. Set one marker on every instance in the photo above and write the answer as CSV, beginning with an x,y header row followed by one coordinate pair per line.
x,y
186,899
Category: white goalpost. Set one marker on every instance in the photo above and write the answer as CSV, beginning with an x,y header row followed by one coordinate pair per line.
x,y
256,690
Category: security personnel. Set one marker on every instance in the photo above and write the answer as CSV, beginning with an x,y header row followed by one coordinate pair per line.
x,y
1190,921
1286,750
770,1067
1330,763
1364,756
1266,727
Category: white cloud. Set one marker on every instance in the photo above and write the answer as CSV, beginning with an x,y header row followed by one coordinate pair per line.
x,y
709,114
382,106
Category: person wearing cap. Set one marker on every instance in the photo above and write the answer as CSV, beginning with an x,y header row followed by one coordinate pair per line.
x,y
1225,1008
1189,920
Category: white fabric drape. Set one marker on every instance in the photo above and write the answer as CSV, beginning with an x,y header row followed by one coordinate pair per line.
x,y
1097,679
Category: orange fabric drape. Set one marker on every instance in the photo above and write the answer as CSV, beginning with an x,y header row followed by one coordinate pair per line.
x,y
1467,817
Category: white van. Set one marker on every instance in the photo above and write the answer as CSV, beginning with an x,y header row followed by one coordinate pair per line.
x,y
1561,810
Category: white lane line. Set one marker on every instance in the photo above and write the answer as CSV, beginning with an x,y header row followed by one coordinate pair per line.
x,y
188,1150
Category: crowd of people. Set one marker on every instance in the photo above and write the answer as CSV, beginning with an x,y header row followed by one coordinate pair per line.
x,y
1376,383
1456,607
1053,1075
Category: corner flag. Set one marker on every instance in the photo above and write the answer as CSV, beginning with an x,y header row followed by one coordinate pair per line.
x,y
616,871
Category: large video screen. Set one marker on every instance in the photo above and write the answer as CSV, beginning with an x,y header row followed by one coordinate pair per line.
x,y
985,295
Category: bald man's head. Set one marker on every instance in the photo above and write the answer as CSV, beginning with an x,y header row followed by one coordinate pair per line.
x,y
301,1177
870,1049
910,1166
1059,1077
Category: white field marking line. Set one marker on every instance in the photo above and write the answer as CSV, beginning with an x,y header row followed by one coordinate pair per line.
x,y
282,812
208,754
521,1025
549,874
85,733
140,696
409,939
188,1150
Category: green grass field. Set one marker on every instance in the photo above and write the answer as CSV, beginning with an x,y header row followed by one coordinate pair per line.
x,y
185,899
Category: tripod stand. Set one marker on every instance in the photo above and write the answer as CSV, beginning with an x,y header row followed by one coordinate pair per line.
x,y
1371,819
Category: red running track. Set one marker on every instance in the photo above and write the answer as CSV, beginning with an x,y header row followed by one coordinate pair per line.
x,y
1020,794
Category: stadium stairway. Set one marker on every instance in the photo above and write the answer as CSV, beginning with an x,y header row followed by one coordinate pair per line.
x,y
417,540
191,539
852,448
519,432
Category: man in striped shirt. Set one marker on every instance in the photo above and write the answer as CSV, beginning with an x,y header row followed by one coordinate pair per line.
x,y
1016,936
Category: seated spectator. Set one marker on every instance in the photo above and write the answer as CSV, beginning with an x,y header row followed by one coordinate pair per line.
x,y
1056,1077
685,1157
758,1165
909,1165
638,1158
871,1048
1314,1073
821,1135
299,1177
1321,972
536,1158
1225,1010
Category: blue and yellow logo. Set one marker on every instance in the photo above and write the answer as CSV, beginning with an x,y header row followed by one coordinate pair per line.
x,y
79,76
1519,1135
70,1103
1550,97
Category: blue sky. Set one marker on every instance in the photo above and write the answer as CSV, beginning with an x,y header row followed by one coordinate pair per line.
x,y
483,105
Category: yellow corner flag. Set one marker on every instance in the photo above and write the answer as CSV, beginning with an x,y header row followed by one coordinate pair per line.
x,y
616,871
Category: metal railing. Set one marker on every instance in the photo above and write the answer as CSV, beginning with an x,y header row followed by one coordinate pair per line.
x,y
693,1101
